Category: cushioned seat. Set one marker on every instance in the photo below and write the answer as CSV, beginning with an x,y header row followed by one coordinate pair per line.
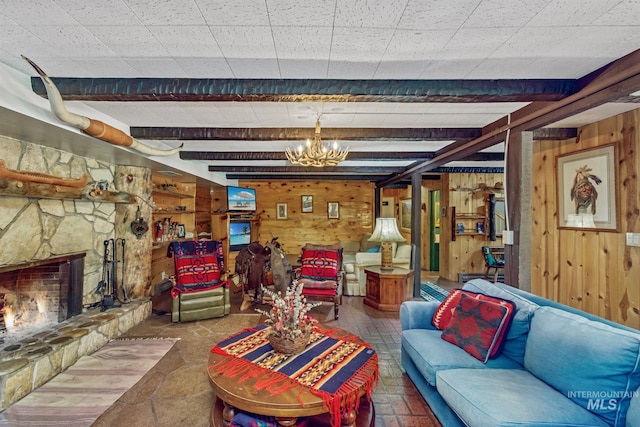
x,y
527,400
321,274
199,292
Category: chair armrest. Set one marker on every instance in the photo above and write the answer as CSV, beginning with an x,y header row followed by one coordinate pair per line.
x,y
417,314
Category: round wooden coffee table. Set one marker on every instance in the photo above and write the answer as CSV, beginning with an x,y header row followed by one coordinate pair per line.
x,y
286,407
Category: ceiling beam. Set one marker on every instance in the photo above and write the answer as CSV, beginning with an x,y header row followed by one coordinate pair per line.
x,y
292,134
622,76
353,155
354,170
306,90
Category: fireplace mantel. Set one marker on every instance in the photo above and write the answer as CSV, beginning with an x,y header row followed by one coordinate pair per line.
x,y
35,263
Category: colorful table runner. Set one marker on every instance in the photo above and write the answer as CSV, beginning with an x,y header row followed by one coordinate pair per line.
x,y
334,366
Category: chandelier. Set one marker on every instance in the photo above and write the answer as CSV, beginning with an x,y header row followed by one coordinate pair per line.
x,y
315,153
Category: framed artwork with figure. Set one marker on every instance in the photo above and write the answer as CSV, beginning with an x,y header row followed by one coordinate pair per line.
x,y
586,189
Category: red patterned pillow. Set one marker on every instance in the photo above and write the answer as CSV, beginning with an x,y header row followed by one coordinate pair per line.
x,y
445,310
196,269
318,264
477,326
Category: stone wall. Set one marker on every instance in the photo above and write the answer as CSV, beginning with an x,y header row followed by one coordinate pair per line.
x,y
35,229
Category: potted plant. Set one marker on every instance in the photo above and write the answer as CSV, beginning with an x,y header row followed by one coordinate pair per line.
x,y
290,322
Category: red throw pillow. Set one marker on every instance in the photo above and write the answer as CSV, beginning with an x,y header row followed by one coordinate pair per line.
x,y
477,326
196,269
445,311
318,264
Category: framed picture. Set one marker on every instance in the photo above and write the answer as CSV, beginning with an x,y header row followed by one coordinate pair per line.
x,y
333,210
181,231
281,211
307,203
405,214
587,189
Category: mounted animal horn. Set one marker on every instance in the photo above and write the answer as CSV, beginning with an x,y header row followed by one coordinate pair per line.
x,y
92,127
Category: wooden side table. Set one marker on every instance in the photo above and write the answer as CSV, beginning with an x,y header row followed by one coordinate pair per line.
x,y
386,290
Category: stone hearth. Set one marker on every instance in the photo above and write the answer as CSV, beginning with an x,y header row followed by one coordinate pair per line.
x,y
28,364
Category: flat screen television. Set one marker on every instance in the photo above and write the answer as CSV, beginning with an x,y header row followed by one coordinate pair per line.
x,y
241,199
239,235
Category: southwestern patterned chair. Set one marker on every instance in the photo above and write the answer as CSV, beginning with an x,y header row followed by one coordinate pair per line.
x,y
321,274
198,292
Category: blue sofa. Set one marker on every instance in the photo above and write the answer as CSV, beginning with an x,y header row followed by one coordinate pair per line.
x,y
559,367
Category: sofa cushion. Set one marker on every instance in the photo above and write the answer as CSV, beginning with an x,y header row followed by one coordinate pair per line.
x,y
508,397
596,365
352,246
478,326
373,250
403,252
431,354
516,341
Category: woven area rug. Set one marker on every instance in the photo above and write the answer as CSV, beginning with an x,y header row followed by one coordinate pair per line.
x,y
79,395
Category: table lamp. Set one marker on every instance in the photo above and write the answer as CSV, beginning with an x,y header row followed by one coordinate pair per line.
x,y
386,232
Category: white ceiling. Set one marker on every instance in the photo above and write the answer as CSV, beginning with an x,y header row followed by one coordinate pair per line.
x,y
319,39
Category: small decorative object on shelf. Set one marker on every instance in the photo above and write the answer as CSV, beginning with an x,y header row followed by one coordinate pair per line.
x,y
460,228
480,227
291,325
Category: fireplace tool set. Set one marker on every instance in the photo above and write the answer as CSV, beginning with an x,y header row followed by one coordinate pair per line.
x,y
114,252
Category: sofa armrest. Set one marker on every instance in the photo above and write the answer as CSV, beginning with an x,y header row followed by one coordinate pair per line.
x,y
368,258
417,314
633,413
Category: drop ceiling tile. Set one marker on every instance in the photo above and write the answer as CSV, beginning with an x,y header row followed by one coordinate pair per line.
x,y
452,69
529,42
295,13
129,41
19,40
36,12
205,68
475,43
436,14
369,13
99,12
254,68
563,13
412,45
303,69
626,12
595,41
359,44
161,67
302,42
238,12
503,14
242,42
152,12
72,41
405,69
182,41
352,70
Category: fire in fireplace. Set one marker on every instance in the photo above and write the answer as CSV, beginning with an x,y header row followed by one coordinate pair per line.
x,y
36,295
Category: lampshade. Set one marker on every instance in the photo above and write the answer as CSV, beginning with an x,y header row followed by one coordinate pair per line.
x,y
386,232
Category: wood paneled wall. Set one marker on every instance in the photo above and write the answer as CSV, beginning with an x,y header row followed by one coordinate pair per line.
x,y
355,198
591,270
463,191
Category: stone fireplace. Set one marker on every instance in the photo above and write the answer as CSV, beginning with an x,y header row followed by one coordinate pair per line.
x,y
37,295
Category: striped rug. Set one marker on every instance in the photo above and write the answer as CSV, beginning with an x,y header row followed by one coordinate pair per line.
x,y
79,395
431,292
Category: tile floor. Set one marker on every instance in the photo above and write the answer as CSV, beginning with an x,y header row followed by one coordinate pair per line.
x,y
176,391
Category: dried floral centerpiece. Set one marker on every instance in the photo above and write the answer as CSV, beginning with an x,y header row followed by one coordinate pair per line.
x,y
290,322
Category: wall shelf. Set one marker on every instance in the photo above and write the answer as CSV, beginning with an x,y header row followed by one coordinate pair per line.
x,y
465,224
36,190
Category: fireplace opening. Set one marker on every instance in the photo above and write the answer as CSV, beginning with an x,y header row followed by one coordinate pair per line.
x,y
37,295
